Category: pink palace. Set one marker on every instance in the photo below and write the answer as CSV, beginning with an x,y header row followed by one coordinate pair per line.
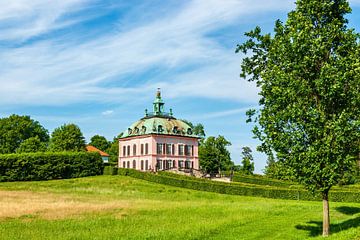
x,y
158,141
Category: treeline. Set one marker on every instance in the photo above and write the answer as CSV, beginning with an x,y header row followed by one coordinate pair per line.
x,y
21,134
29,152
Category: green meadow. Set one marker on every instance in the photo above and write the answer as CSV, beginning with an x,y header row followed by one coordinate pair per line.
x,y
120,207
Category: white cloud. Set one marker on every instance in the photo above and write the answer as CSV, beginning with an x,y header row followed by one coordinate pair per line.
x,y
107,112
23,19
58,72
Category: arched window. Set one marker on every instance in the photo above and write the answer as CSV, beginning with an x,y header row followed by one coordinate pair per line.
x,y
134,150
142,149
134,164
124,151
142,164
128,150
146,165
128,164
124,164
174,164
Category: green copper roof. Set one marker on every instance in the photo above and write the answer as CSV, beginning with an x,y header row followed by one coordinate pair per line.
x,y
159,122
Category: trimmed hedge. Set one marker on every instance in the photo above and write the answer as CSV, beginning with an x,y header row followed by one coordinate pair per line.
x,y
238,189
260,180
49,165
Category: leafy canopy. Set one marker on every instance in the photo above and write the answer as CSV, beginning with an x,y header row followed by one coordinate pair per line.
x,y
15,129
309,76
214,156
100,142
31,145
67,137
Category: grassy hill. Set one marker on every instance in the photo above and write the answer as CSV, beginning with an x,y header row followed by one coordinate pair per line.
x,y
120,207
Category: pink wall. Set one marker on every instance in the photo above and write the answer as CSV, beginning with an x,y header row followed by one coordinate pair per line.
x,y
152,155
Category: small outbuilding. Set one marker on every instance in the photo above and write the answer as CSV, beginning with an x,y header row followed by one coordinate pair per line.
x,y
104,155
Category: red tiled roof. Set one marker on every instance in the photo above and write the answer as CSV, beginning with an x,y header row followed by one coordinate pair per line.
x,y
90,148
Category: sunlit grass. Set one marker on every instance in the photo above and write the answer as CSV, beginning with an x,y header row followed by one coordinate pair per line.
x,y
118,207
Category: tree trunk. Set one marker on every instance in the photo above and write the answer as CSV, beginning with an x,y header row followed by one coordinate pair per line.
x,y
326,214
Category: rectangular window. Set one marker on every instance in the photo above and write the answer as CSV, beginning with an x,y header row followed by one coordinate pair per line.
x,y
146,148
187,150
124,151
181,150
159,147
142,149
173,149
134,150
128,150
168,149
181,164
159,164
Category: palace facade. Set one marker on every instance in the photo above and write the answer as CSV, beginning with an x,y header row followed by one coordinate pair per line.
x,y
158,141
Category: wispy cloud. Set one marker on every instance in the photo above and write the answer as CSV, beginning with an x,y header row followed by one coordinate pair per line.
x,y
50,72
107,112
23,19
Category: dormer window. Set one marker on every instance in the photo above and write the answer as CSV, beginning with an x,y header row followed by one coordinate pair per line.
x,y
175,129
160,129
136,130
189,131
129,131
143,129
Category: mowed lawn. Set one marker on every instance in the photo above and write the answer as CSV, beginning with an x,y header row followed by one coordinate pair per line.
x,y
118,207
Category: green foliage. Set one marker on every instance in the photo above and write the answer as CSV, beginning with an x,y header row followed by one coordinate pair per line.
x,y
278,170
198,129
31,145
113,151
247,161
100,142
309,77
68,137
213,155
48,165
16,129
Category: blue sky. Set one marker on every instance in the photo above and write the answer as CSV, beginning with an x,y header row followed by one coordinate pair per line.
x,y
98,63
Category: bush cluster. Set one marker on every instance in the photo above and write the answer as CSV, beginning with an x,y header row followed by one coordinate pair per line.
x,y
235,188
49,165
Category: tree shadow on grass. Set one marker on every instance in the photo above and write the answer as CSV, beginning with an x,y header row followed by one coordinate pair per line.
x,y
348,210
315,227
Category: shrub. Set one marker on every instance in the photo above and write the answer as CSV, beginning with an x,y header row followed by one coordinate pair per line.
x,y
49,165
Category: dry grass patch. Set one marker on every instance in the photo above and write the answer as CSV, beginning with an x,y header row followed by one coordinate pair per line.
x,y
15,204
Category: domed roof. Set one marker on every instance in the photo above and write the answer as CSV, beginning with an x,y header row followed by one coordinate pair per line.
x,y
159,122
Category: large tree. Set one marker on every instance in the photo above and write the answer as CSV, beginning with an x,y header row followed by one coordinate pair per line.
x,y
100,142
247,162
309,76
67,137
214,156
16,129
